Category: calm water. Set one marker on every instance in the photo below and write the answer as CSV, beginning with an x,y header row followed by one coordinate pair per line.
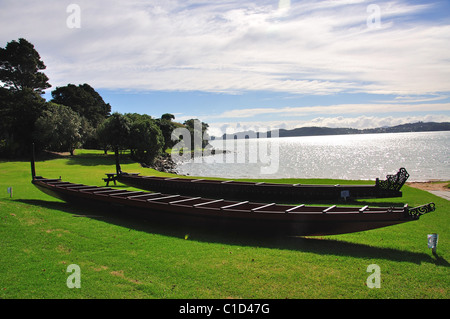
x,y
425,156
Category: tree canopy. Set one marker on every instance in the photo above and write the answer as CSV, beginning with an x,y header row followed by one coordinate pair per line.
x,y
21,66
146,139
167,117
21,86
198,130
84,100
19,111
114,132
59,128
137,132
166,125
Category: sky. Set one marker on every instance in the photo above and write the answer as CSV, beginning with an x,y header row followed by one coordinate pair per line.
x,y
240,65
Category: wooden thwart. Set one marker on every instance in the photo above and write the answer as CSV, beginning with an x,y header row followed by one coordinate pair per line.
x,y
142,195
125,193
106,191
362,209
209,202
262,207
328,209
294,208
164,197
234,205
90,189
183,200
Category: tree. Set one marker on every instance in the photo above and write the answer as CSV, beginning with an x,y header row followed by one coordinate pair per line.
x,y
146,140
59,128
114,132
6,100
133,131
6,120
199,131
84,100
21,86
19,112
20,66
167,126
167,117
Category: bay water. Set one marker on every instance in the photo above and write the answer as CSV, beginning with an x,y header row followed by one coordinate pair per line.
x,y
425,155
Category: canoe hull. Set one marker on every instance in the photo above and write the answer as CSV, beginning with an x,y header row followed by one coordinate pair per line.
x,y
246,217
266,191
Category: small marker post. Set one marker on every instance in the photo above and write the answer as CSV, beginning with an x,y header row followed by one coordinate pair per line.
x,y
432,242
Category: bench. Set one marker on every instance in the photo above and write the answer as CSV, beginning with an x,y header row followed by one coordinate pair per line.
x,y
111,177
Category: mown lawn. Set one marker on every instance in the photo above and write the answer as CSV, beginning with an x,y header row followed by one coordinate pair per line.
x,y
130,258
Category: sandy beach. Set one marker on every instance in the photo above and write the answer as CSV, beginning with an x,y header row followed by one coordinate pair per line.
x,y
430,186
437,188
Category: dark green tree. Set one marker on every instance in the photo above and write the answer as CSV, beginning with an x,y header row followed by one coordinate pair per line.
x,y
21,86
167,117
146,140
84,100
114,132
19,112
21,66
5,113
59,129
199,131
167,126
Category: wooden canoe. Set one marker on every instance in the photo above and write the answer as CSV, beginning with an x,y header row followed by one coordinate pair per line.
x,y
265,191
241,216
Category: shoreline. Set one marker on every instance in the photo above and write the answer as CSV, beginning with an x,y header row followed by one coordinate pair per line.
x,y
432,185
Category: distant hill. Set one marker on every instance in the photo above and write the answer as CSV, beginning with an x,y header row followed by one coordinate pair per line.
x,y
316,131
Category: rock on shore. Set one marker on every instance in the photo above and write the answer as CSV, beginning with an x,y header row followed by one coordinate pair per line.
x,y
164,164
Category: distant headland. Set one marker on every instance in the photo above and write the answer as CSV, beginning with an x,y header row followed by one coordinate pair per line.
x,y
317,131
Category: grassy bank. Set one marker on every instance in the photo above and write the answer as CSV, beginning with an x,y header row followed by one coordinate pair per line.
x,y
129,258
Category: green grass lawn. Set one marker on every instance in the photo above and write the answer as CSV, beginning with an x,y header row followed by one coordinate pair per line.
x,y
131,258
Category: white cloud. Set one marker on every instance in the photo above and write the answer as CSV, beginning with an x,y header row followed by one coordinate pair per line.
x,y
314,47
338,109
414,99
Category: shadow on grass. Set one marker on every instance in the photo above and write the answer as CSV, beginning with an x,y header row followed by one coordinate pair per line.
x,y
322,246
97,159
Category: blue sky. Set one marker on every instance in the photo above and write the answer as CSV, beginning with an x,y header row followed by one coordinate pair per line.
x,y
248,64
